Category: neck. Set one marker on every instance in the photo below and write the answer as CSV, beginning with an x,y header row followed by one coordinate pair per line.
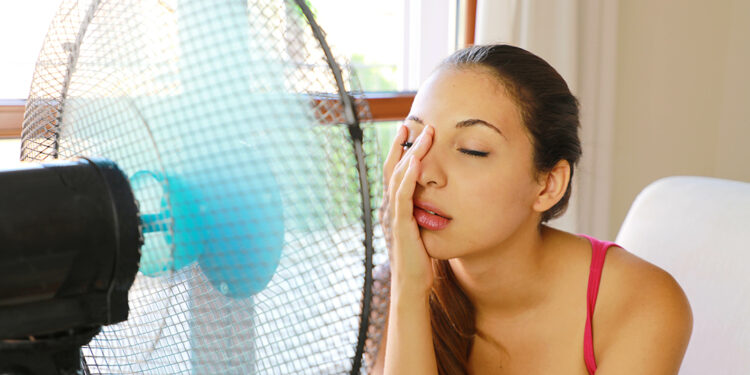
x,y
509,278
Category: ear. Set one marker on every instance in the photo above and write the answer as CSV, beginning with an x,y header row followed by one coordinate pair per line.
x,y
552,186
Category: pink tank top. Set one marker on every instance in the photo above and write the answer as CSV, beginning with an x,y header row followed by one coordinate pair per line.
x,y
599,251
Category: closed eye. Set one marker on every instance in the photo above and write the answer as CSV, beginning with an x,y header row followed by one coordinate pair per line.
x,y
406,145
473,152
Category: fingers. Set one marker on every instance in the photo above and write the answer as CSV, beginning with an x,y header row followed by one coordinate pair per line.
x,y
418,150
395,169
405,192
394,154
422,144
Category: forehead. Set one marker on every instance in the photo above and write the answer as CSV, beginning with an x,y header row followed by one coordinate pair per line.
x,y
452,94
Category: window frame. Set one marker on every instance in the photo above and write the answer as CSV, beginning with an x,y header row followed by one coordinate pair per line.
x,y
11,118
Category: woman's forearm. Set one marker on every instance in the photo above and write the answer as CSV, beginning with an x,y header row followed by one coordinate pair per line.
x,y
409,349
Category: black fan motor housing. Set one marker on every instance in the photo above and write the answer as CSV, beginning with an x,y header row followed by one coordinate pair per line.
x,y
69,251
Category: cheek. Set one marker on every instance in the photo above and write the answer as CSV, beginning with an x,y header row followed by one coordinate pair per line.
x,y
503,190
491,204
499,207
496,205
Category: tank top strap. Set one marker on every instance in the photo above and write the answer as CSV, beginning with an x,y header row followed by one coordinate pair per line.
x,y
599,252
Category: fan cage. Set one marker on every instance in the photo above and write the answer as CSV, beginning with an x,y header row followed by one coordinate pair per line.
x,y
100,67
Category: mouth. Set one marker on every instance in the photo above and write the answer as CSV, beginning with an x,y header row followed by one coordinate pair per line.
x,y
429,217
433,213
431,209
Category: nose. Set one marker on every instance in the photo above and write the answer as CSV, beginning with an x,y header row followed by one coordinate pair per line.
x,y
432,173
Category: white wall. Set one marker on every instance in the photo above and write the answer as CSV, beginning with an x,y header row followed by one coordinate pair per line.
x,y
664,90
732,151
682,102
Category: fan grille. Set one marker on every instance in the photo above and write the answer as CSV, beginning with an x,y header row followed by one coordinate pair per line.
x,y
215,93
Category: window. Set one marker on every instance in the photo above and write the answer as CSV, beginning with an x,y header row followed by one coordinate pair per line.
x,y
23,25
393,45
9,152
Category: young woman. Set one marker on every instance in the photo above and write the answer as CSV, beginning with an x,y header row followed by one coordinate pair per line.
x,y
477,283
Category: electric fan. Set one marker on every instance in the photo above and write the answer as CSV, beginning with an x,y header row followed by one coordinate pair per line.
x,y
252,173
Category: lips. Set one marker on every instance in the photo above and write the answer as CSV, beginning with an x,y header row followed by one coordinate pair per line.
x,y
429,217
431,208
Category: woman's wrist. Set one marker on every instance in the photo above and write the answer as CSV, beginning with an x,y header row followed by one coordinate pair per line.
x,y
409,291
410,342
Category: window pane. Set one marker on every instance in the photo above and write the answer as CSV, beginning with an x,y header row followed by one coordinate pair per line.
x,y
384,39
10,151
393,44
23,25
370,34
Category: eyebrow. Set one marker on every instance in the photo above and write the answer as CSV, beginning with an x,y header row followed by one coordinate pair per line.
x,y
464,124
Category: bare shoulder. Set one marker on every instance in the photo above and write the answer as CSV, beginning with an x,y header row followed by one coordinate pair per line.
x,y
633,284
641,310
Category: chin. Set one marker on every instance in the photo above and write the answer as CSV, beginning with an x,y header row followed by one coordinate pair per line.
x,y
439,255
435,247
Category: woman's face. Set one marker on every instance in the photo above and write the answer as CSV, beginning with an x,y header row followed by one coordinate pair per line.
x,y
479,170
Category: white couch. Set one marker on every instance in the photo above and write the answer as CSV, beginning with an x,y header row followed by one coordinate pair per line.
x,y
698,230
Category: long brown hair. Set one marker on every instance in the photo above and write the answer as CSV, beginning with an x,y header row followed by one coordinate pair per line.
x,y
550,113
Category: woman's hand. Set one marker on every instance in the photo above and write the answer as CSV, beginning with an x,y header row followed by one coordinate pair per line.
x,y
411,267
